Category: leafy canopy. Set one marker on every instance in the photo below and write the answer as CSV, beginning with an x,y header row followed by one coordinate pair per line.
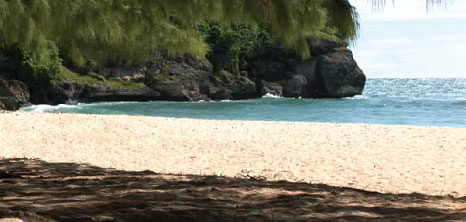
x,y
131,30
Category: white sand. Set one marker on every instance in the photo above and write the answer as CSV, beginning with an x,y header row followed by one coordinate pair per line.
x,y
395,159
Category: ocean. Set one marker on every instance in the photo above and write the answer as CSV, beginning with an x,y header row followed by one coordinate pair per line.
x,y
417,102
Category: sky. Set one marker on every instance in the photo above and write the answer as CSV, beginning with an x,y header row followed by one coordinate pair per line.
x,y
405,40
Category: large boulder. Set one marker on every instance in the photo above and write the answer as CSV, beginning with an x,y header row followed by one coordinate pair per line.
x,y
339,76
179,79
13,94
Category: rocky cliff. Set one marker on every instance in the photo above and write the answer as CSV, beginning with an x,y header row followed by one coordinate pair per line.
x,y
331,72
13,94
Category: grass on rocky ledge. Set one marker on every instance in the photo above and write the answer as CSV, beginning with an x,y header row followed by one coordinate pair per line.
x,y
226,77
167,78
95,79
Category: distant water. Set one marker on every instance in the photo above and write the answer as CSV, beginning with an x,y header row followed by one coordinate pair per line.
x,y
422,102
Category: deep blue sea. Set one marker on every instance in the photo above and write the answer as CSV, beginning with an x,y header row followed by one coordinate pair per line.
x,y
421,102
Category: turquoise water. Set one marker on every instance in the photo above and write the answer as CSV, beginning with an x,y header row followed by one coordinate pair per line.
x,y
422,102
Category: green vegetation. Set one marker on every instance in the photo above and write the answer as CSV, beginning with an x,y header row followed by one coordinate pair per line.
x,y
31,71
119,83
328,33
230,44
95,79
245,81
132,30
167,77
164,75
68,76
99,32
49,71
227,77
39,34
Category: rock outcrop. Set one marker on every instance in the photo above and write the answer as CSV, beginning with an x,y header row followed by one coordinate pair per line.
x,y
170,79
338,75
331,72
179,79
80,92
13,94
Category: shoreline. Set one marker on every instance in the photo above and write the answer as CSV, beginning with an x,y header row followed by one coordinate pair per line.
x,y
381,158
209,119
235,120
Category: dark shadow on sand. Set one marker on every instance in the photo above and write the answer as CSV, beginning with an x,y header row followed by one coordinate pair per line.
x,y
35,190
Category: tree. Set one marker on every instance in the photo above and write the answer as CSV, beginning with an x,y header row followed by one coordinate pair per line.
x,y
102,30
131,30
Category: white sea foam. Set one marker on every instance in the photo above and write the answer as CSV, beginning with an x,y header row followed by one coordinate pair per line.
x,y
357,97
226,100
270,95
106,103
47,108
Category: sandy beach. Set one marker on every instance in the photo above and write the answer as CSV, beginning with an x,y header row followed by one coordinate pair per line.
x,y
386,159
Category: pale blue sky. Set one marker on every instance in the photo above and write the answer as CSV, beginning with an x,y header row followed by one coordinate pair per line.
x,y
404,40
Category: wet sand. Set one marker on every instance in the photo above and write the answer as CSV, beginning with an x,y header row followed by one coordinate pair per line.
x,y
386,159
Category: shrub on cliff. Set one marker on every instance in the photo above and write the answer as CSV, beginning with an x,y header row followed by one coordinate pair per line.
x,y
23,66
230,44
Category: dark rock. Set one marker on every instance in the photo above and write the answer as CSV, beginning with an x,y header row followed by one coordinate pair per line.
x,y
69,92
13,94
330,73
324,46
296,87
243,88
273,65
219,93
339,75
8,67
234,87
272,88
15,89
8,103
180,79
189,79
103,93
136,72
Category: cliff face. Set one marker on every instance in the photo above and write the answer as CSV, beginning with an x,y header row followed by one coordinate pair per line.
x,y
331,72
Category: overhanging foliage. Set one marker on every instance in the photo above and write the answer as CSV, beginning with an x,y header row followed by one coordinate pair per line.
x,y
103,30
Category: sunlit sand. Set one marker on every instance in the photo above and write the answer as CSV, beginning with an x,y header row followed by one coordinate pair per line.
x,y
387,159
